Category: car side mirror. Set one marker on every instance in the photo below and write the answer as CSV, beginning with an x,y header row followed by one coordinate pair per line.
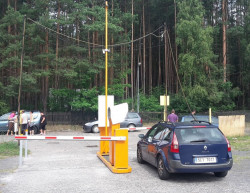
x,y
141,136
150,139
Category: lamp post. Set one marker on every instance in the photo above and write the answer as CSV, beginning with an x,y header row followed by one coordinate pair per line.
x,y
138,88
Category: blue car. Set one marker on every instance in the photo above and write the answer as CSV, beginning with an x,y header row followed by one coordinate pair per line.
x,y
193,147
188,118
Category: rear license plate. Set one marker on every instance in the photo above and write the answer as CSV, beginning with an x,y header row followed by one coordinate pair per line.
x,y
202,160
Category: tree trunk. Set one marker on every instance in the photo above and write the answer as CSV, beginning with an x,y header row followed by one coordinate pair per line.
x,y
57,44
224,28
132,57
144,47
46,82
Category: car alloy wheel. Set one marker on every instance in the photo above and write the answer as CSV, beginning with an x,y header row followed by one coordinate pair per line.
x,y
162,172
95,129
139,156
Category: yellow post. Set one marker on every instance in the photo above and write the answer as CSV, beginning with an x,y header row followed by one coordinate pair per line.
x,y
112,129
210,115
106,69
104,149
121,153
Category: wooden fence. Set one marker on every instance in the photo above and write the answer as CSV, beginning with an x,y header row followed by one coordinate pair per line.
x,y
233,125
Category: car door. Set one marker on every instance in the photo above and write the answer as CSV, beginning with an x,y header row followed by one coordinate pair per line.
x,y
146,141
4,122
153,145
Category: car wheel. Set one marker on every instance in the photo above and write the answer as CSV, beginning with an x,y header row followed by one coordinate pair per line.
x,y
35,130
95,129
220,174
139,156
130,126
162,172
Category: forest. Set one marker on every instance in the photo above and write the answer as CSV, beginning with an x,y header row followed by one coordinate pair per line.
x,y
195,51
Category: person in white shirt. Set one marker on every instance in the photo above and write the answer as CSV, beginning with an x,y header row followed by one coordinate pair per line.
x,y
24,122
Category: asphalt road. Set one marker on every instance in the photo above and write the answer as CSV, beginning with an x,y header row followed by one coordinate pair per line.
x,y
72,166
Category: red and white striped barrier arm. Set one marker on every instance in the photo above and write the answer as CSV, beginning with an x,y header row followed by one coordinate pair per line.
x,y
81,138
138,128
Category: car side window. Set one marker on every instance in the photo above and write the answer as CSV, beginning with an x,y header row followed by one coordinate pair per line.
x,y
152,131
159,133
132,116
166,134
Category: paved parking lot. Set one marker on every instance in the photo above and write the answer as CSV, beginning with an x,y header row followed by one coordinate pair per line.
x,y
72,166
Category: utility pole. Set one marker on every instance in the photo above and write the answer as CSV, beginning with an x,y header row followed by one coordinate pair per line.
x,y
20,80
138,87
166,70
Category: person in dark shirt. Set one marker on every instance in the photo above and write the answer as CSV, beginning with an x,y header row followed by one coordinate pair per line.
x,y
43,123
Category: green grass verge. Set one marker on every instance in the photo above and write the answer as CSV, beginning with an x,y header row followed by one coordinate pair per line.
x,y
241,143
10,149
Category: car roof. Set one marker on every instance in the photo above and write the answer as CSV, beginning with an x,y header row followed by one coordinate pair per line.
x,y
197,116
185,124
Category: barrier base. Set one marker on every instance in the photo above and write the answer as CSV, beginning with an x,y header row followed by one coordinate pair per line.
x,y
112,168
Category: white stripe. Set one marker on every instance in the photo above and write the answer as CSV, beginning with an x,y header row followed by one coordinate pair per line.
x,y
138,128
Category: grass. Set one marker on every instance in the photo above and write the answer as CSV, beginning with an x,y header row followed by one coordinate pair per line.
x,y
9,149
241,143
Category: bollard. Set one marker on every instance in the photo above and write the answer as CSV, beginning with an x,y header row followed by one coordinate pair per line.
x,y
20,153
26,144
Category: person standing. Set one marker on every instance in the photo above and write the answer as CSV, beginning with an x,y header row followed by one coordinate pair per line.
x,y
43,123
24,121
31,123
11,123
172,117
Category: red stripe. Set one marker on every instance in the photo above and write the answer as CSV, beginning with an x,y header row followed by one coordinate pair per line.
x,y
78,137
149,128
50,137
132,128
20,137
105,137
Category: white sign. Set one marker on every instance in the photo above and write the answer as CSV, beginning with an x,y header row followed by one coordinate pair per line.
x,y
163,100
101,109
118,113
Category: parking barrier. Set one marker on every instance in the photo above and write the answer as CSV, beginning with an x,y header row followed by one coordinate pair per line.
x,y
67,138
138,128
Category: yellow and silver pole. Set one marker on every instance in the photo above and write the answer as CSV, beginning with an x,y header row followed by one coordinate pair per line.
x,y
106,68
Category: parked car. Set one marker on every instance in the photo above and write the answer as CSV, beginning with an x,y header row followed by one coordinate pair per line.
x,y
191,147
188,118
36,119
132,120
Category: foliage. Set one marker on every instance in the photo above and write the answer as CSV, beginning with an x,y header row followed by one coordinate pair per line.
x,y
3,108
66,71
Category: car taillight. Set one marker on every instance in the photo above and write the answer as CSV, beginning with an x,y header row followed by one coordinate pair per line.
x,y
228,145
174,145
141,120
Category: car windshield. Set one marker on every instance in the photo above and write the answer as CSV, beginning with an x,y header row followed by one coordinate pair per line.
x,y
200,118
189,135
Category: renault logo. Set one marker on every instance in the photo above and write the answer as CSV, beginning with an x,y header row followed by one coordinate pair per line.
x,y
205,147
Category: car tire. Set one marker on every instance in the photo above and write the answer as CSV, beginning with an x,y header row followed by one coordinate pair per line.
x,y
162,172
95,129
36,130
139,156
220,174
131,126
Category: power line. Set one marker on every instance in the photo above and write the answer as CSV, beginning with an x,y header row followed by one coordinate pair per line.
x,y
98,45
178,78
